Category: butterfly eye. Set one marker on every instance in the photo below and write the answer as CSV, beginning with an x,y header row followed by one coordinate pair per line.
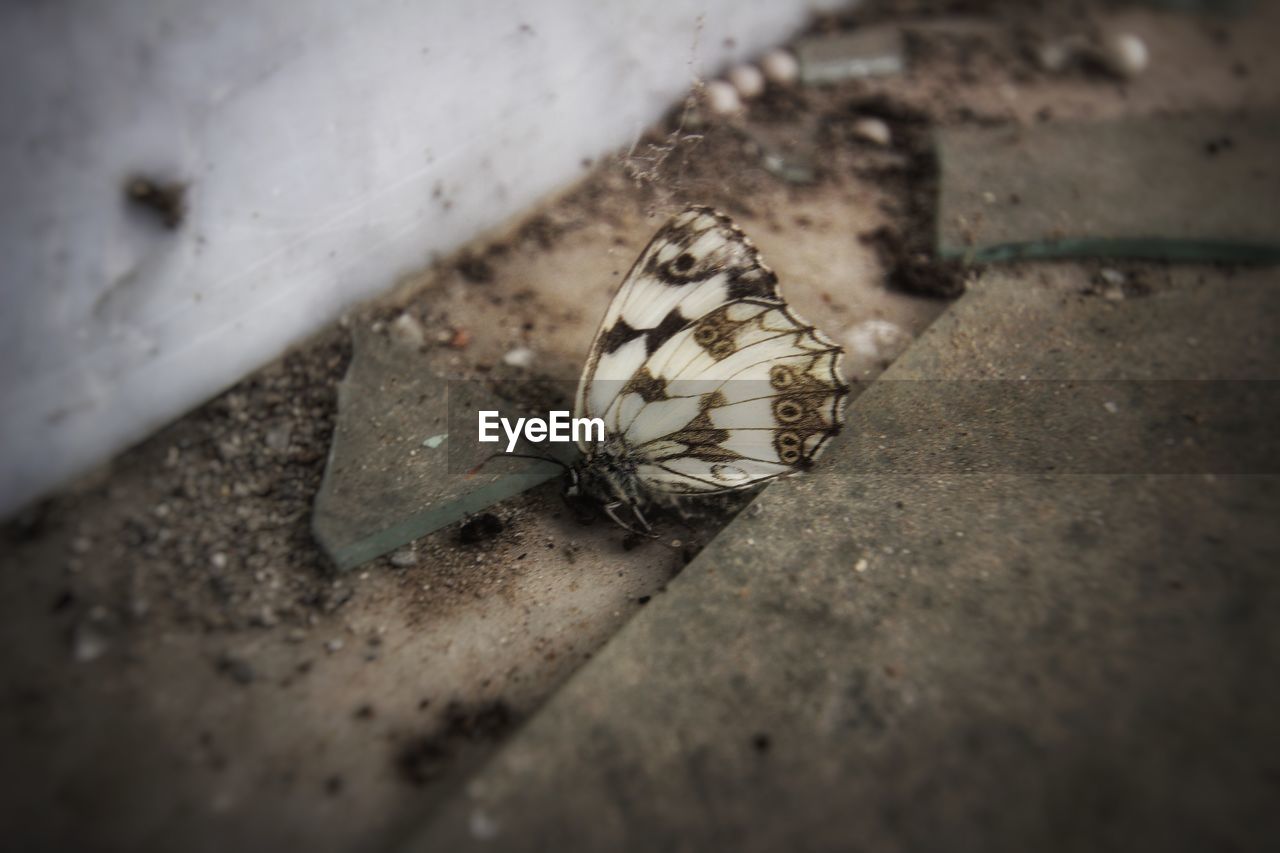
x,y
789,454
788,411
705,335
780,376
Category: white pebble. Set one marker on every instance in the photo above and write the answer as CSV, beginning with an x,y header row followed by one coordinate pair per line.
x,y
87,644
1114,281
877,339
1111,276
722,99
1055,56
404,558
748,80
334,645
780,67
873,130
1125,54
519,357
406,330
861,565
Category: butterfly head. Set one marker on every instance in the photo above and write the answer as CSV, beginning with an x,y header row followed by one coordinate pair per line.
x,y
609,483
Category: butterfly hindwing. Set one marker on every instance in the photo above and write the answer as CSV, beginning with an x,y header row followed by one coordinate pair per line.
x,y
765,408
704,377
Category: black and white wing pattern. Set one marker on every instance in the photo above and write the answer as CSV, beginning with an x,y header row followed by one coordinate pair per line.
x,y
705,379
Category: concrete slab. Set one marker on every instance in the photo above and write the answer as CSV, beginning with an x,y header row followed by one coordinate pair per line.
x,y
1190,188
873,659
398,468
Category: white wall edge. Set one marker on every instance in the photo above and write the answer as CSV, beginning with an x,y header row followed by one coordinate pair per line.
x,y
320,142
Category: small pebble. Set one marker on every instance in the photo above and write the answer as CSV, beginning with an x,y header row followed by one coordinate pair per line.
x,y
876,339
334,645
748,80
1125,54
861,565
1113,284
518,357
722,99
404,558
873,130
218,561
277,439
1111,276
87,643
1055,56
780,67
407,331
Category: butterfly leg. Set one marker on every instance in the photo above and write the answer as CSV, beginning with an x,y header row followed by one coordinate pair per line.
x,y
610,510
635,509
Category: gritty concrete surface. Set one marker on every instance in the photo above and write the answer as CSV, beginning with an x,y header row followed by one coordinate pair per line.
x,y
179,670
1192,187
878,660
129,732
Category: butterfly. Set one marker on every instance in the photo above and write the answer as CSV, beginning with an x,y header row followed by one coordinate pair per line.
x,y
706,380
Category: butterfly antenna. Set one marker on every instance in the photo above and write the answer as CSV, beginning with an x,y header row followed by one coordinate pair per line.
x,y
492,456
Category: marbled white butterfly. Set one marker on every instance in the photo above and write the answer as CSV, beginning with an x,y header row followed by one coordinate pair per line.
x,y
706,381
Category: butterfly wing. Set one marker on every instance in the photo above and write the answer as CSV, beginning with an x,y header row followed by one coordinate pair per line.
x,y
696,262
701,370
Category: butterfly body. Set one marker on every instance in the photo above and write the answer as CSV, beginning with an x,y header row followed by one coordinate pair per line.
x,y
706,380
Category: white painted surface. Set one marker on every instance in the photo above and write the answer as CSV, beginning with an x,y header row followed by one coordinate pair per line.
x,y
329,148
